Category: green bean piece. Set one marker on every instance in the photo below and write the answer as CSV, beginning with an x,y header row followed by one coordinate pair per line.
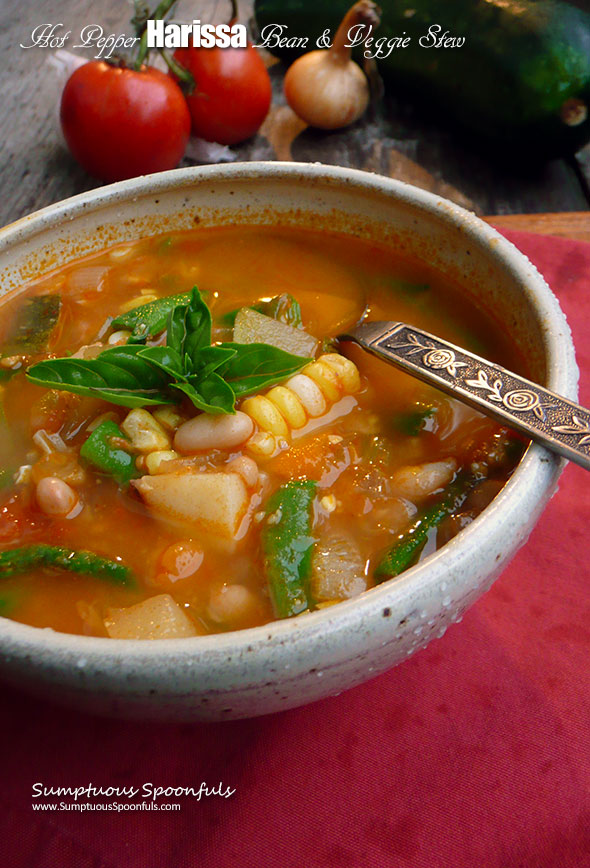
x,y
409,543
287,547
14,562
100,451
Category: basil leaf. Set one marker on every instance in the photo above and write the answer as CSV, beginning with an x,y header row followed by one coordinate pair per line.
x,y
176,330
209,359
118,375
189,329
165,358
149,319
210,394
255,366
198,325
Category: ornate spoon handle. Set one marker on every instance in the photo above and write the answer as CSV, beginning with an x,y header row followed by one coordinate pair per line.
x,y
557,423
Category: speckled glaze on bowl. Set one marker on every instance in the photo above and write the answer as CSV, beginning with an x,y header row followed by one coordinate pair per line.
x,y
289,663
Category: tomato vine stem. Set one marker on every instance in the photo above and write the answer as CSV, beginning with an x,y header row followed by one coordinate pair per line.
x,y
140,20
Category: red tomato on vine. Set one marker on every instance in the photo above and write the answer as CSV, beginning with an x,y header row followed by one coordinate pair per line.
x,y
120,122
232,92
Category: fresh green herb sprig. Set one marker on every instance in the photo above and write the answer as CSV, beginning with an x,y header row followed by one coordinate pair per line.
x,y
133,375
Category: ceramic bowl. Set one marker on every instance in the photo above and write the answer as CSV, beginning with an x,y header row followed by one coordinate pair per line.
x,y
289,663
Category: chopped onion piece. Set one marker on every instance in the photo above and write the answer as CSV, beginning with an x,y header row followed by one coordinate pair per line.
x,y
338,570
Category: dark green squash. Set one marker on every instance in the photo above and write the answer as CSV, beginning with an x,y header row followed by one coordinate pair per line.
x,y
521,80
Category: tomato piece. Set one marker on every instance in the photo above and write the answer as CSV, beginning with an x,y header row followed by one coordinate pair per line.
x,y
19,520
120,123
232,94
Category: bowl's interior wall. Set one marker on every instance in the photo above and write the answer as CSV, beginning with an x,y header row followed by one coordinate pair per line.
x,y
39,244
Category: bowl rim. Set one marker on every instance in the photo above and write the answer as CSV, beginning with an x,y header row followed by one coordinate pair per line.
x,y
562,375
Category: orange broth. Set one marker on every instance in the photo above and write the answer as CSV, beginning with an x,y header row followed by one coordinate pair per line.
x,y
393,422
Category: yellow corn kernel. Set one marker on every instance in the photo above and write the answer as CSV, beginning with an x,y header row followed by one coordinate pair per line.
x,y
169,418
288,405
109,416
137,302
345,369
266,415
326,378
119,337
261,444
328,503
155,460
145,432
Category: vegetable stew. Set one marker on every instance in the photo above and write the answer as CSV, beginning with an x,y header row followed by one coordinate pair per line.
x,y
186,448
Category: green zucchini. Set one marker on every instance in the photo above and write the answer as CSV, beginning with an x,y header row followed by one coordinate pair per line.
x,y
520,80
287,547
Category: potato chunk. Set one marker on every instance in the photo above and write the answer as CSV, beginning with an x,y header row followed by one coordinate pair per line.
x,y
212,503
157,618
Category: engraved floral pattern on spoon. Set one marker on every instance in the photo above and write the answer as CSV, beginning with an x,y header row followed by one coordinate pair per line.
x,y
577,427
439,359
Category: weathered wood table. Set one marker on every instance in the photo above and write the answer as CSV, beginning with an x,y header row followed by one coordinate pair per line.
x,y
393,139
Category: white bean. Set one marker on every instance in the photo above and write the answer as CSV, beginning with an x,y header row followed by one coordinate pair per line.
x,y
247,469
231,603
55,497
213,432
420,480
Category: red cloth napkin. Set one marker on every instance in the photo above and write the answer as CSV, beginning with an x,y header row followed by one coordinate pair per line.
x,y
475,752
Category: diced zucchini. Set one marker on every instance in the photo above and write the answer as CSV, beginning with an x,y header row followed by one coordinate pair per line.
x,y
252,327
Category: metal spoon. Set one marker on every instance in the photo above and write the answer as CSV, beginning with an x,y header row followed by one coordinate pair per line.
x,y
556,422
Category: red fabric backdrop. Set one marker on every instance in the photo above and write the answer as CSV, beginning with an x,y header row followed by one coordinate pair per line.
x,y
475,752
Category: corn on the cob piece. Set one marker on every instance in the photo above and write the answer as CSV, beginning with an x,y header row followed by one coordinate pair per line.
x,y
326,378
308,394
266,415
288,405
346,371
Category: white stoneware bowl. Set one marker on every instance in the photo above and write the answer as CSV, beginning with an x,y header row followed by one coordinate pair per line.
x,y
289,663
